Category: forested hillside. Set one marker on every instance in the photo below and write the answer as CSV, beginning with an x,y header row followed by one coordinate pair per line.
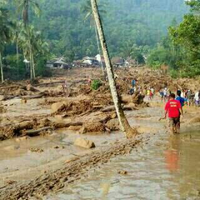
x,y
155,32
127,22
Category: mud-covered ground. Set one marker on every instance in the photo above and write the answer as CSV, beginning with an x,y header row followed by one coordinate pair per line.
x,y
39,124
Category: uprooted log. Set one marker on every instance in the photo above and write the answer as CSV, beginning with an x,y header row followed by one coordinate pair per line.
x,y
58,125
37,131
33,128
37,96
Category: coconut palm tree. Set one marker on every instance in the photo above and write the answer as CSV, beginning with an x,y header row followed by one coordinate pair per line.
x,y
16,39
120,113
24,7
5,35
87,10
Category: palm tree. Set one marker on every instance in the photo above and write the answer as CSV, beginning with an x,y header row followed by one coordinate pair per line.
x,y
120,113
27,41
5,35
24,7
87,10
16,39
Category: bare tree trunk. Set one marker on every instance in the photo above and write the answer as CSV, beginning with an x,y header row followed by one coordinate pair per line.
x,y
98,46
32,71
1,66
120,113
17,52
30,65
33,65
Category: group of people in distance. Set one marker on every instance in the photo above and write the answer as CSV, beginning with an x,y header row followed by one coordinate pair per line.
x,y
150,92
188,96
174,105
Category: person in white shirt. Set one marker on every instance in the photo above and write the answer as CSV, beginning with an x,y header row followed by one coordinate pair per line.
x,y
196,98
165,92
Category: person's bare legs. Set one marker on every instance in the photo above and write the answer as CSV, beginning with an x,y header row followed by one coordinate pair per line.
x,y
178,128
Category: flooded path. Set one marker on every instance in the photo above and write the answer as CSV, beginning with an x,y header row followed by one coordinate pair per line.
x,y
159,167
165,168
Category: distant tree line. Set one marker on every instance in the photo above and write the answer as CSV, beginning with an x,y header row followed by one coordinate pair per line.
x,y
33,31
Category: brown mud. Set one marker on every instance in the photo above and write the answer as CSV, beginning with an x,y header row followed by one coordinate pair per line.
x,y
72,170
32,165
47,96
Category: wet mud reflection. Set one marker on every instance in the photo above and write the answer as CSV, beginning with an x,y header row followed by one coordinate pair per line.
x,y
166,168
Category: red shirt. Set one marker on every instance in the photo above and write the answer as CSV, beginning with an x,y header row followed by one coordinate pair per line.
x,y
172,107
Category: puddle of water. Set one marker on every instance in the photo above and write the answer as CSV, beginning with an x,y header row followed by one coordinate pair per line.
x,y
166,168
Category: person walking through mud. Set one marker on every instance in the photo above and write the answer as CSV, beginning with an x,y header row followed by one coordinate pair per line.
x,y
189,97
133,83
165,92
174,110
179,98
65,89
152,93
161,95
197,98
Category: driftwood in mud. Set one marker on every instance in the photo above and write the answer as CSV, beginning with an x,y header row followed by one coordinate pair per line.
x,y
50,83
33,128
108,109
57,125
37,131
37,96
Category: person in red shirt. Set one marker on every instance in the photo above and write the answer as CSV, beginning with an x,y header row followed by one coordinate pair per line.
x,y
174,110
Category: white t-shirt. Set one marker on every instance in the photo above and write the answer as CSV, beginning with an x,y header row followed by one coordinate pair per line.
x,y
165,92
196,97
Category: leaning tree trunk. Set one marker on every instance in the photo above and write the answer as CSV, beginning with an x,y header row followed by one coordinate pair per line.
x,y
120,113
1,68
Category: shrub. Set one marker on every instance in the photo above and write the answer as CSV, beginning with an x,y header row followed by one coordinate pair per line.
x,y
96,84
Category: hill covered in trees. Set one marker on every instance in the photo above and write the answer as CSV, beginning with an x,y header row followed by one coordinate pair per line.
x,y
153,31
128,23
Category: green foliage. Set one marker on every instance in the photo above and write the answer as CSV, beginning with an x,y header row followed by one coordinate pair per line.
x,y
194,4
181,48
133,28
142,22
17,69
96,84
41,69
164,55
187,36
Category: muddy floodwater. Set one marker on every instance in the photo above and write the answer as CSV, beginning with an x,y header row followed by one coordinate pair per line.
x,y
40,159
166,168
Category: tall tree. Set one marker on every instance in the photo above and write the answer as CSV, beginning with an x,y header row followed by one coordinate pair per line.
x,y
87,10
24,8
120,113
5,35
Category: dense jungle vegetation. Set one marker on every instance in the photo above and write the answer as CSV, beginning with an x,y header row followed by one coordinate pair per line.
x,y
153,31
